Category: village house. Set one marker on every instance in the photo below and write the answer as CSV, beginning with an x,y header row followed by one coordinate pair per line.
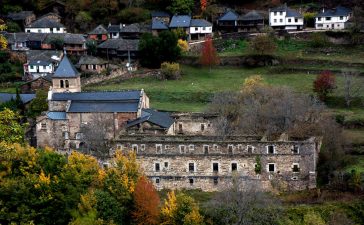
x,y
75,44
158,26
23,18
165,17
36,40
114,30
333,19
41,63
285,18
92,64
40,83
200,29
120,48
17,41
250,22
181,22
228,22
98,34
45,25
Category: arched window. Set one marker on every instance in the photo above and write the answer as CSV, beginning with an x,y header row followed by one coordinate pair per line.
x,y
61,83
67,84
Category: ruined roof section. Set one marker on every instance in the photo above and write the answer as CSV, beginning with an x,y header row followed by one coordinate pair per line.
x,y
91,60
161,119
66,69
100,29
180,21
45,23
20,15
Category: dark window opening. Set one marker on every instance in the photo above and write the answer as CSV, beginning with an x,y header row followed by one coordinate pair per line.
x,y
180,127
191,167
295,149
234,166
250,149
67,84
216,180
202,127
166,164
157,167
270,149
230,149
206,149
157,181
271,167
215,167
191,181
61,84
295,168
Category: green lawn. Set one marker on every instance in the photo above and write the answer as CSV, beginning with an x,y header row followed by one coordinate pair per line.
x,y
193,91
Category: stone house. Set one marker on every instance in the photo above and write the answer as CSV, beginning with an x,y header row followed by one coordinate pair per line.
x,y
98,34
75,44
333,19
45,25
41,63
40,83
252,21
23,18
17,41
285,18
120,48
93,64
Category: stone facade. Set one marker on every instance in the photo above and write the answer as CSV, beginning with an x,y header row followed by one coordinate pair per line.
x,y
38,84
210,162
66,84
194,123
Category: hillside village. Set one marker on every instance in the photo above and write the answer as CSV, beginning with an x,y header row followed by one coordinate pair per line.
x,y
214,98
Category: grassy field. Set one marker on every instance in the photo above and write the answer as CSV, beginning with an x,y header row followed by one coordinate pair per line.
x,y
193,91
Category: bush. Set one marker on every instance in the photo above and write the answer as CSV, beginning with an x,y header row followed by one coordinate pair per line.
x,y
183,45
170,71
262,45
309,18
13,27
319,40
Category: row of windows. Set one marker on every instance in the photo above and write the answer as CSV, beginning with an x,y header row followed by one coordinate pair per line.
x,y
280,13
64,84
215,166
329,18
270,149
289,20
40,67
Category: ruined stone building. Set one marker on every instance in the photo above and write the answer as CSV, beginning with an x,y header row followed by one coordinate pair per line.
x,y
175,150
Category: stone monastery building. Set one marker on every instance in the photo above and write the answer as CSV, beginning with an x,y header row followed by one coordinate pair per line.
x,y
177,150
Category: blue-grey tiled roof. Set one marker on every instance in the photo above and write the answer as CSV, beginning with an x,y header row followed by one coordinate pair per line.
x,y
66,69
338,11
161,119
200,23
45,23
98,96
104,106
113,28
292,13
39,63
158,25
100,29
57,115
252,15
25,98
229,16
180,21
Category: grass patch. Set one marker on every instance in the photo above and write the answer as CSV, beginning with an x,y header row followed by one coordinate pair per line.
x,y
358,164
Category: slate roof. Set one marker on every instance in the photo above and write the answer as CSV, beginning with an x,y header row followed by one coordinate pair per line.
x,y
74,39
20,15
37,37
113,28
252,15
16,37
292,13
91,60
57,115
44,55
39,63
338,11
281,8
160,14
104,106
120,44
98,96
100,29
161,119
26,98
229,16
66,69
45,23
180,21
131,28
200,23
158,24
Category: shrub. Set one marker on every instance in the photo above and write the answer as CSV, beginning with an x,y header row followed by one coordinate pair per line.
x,y
319,40
324,84
170,71
309,18
262,45
183,45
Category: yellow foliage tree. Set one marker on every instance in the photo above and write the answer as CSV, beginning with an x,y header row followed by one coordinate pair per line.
x,y
250,83
194,217
169,209
3,41
183,45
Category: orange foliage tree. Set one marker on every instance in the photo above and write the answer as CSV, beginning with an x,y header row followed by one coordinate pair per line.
x,y
146,202
208,55
203,4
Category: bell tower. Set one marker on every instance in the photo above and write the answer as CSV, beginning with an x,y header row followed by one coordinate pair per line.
x,y
66,78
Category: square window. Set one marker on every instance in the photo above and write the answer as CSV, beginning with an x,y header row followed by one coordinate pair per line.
x,y
230,149
281,20
202,127
191,147
182,149
191,167
295,168
166,164
142,147
206,149
341,17
296,20
157,167
270,149
43,126
135,148
250,149
234,166
271,167
215,167
295,149
157,180
158,148
191,181
289,20
319,18
275,20
119,147
196,29
281,13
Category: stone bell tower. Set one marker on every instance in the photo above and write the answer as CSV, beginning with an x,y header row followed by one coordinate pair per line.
x,y
66,78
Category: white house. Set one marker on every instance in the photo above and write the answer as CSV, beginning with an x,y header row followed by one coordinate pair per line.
x,y
41,63
40,68
45,25
199,29
333,19
285,18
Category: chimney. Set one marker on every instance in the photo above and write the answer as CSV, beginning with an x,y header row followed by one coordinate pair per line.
x,y
109,24
323,10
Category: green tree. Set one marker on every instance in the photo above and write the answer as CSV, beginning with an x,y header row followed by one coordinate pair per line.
x,y
39,104
181,6
149,51
168,46
83,20
262,45
11,130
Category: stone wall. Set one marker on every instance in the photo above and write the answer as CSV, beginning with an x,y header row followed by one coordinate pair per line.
x,y
194,123
210,162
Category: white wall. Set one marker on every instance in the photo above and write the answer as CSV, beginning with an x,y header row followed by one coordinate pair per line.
x,y
277,18
42,69
45,30
335,22
200,30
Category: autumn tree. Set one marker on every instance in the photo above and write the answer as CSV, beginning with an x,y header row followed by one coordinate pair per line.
x,y
262,45
3,41
39,104
146,202
324,84
11,130
208,55
203,4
